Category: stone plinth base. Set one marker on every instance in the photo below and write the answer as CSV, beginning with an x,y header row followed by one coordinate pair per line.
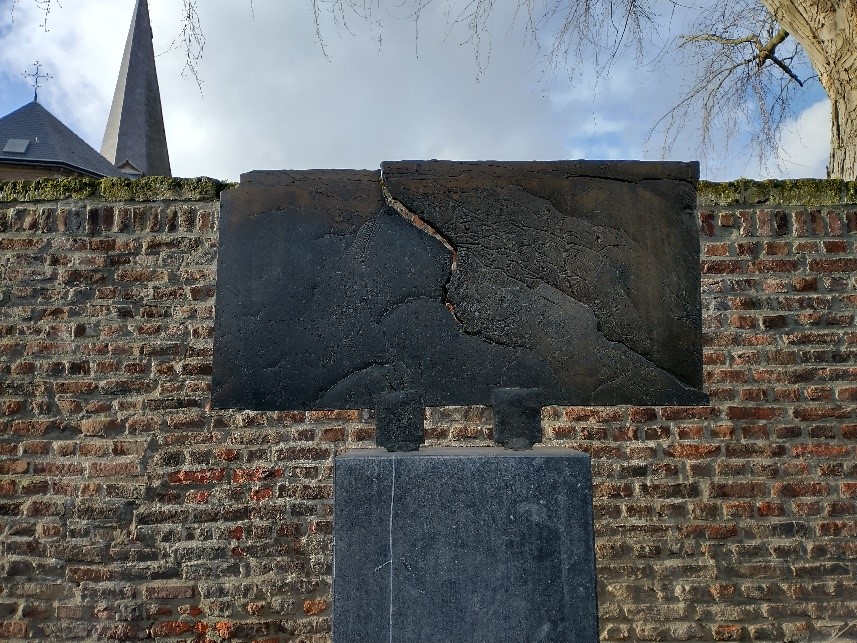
x,y
464,545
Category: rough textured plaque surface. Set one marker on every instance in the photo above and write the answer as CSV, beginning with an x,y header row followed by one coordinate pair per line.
x,y
441,545
579,278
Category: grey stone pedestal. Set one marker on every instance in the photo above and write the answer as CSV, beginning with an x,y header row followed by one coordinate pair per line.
x,y
464,545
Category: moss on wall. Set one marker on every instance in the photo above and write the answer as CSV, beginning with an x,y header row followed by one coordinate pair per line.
x,y
150,188
785,192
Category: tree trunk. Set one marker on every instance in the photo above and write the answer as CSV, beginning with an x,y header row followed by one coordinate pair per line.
x,y
843,134
827,30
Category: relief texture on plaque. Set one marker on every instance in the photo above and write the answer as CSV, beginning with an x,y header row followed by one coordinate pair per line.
x,y
579,278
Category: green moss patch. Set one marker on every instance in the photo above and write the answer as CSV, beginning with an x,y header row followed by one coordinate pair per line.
x,y
146,189
784,192
795,192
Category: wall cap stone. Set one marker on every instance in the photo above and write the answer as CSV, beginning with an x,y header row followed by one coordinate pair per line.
x,y
150,188
771,192
777,192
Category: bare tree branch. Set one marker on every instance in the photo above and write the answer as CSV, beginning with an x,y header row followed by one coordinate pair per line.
x,y
44,5
742,74
742,67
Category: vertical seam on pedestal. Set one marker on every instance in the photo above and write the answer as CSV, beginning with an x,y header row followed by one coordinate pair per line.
x,y
390,540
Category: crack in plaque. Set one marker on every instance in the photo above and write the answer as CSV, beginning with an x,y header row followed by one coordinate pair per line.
x,y
423,226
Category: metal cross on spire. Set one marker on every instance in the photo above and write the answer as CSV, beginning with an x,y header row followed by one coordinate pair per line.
x,y
37,77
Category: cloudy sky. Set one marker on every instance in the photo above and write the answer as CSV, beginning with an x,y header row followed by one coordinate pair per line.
x,y
271,100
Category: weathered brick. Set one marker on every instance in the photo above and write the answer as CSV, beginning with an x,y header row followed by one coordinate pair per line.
x,y
820,413
821,450
735,489
202,476
256,475
169,592
113,469
13,629
13,467
315,607
170,629
843,264
799,489
693,451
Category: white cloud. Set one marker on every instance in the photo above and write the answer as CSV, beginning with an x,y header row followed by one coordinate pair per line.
x,y
805,143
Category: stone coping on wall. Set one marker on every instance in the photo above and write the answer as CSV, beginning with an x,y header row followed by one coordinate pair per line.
x,y
146,189
779,192
774,192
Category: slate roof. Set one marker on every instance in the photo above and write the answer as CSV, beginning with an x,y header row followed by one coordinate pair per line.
x,y
135,129
51,143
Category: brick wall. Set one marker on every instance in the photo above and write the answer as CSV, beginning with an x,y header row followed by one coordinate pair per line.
x,y
130,510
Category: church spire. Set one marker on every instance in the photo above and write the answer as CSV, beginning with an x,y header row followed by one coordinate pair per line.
x,y
134,140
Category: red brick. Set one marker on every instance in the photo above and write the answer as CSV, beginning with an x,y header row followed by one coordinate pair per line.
x,y
819,393
227,455
91,574
799,489
681,490
34,428
806,509
13,629
608,490
777,248
721,531
597,433
723,267
753,412
202,476
335,434
835,246
303,453
688,412
75,388
690,432
341,414
197,497
170,628
753,395
838,528
594,414
114,469
260,495
737,489
693,451
256,475
843,264
33,487
771,510
13,467
821,450
307,492
732,632
716,250
315,607
822,412
168,592
742,321
754,432
100,426
839,508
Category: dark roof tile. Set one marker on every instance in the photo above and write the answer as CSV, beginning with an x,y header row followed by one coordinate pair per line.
x,y
51,143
